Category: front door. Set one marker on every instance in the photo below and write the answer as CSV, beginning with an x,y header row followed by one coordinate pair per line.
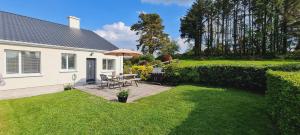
x,y
91,70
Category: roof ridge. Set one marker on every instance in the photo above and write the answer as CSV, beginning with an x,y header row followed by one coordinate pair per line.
x,y
42,20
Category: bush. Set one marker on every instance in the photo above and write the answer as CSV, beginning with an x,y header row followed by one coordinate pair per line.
x,y
283,99
147,57
293,55
68,87
142,71
157,63
166,57
123,93
237,76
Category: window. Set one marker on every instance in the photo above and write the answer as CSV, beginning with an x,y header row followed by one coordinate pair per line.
x,y
68,61
30,62
12,62
108,64
22,62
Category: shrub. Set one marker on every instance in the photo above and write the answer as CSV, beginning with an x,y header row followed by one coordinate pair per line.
x,y
283,99
237,76
157,63
294,55
147,57
127,69
285,67
142,71
68,87
166,57
123,93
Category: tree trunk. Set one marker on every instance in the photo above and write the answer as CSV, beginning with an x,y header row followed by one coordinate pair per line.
x,y
223,32
211,35
264,28
235,29
244,31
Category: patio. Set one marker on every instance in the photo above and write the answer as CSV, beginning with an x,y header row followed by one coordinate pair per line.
x,y
143,90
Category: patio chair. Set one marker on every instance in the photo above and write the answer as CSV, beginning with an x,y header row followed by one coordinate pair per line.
x,y
110,83
116,82
104,81
136,80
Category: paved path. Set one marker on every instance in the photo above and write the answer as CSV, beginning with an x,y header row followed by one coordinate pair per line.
x,y
135,92
29,92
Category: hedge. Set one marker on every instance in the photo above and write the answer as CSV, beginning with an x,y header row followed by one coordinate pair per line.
x,y
236,76
283,99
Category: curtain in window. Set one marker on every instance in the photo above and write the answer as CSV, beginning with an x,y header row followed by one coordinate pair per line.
x,y
71,61
30,62
12,62
104,64
64,61
111,65
108,64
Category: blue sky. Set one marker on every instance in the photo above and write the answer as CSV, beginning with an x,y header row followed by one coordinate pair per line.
x,y
109,18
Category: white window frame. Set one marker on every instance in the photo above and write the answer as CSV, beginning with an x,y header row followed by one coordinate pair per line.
x,y
20,74
67,63
106,68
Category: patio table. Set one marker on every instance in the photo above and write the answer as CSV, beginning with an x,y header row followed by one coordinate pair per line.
x,y
132,78
126,78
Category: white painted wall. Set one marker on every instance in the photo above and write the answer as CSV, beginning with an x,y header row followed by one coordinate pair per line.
x,y
51,73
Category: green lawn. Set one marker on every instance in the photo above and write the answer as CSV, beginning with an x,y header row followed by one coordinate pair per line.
x,y
185,109
185,63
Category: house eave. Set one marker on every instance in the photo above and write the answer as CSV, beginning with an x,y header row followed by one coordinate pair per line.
x,y
19,43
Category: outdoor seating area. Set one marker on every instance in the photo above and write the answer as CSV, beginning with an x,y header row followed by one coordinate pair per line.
x,y
143,90
118,81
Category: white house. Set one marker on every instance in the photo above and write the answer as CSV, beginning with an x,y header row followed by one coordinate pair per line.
x,y
37,55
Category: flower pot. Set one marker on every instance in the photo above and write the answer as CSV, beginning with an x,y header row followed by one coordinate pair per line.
x,y
122,99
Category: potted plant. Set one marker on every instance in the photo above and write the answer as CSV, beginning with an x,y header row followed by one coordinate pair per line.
x,y
68,87
122,96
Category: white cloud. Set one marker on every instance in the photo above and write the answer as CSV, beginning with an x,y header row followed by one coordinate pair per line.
x,y
119,34
141,12
168,2
182,44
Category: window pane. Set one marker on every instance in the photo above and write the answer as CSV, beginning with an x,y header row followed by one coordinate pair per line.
x,y
111,64
71,60
12,62
63,61
104,64
30,62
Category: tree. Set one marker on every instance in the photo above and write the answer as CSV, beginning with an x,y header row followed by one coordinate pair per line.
x,y
243,27
151,32
192,26
171,48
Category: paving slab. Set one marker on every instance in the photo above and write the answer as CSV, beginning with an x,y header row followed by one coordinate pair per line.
x,y
135,92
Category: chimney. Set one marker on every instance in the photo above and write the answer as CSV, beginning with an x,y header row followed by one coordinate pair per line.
x,y
74,22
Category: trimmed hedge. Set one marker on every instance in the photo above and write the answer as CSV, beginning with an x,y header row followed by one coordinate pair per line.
x,y
283,99
237,76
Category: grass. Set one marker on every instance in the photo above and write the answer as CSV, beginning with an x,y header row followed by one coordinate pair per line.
x,y
186,63
185,109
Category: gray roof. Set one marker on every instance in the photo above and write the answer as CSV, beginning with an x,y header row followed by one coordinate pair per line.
x,y
15,27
